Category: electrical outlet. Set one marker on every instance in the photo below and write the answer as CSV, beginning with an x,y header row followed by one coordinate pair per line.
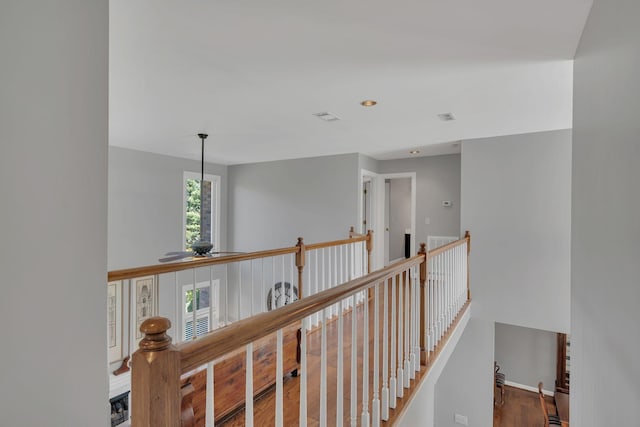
x,y
461,419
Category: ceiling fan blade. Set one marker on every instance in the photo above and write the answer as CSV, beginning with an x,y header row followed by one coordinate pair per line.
x,y
186,253
175,257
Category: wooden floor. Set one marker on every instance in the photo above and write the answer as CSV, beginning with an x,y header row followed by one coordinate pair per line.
x,y
521,409
264,406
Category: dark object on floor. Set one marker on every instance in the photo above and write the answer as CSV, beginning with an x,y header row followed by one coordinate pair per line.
x,y
499,384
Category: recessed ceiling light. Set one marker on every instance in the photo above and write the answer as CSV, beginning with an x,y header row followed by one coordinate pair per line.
x,y
327,117
414,152
445,117
368,103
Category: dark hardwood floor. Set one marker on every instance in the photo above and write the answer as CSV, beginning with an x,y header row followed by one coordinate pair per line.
x,y
521,409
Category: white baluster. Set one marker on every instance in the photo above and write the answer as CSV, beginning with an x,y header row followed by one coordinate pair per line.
x,y
323,371
400,336
194,309
430,275
273,283
392,350
279,375
316,317
226,294
239,290
179,306
461,277
212,304
441,297
436,300
384,395
283,280
262,293
293,278
451,285
248,396
416,321
332,309
447,285
458,278
209,405
340,370
375,402
365,417
303,373
252,286
354,365
407,344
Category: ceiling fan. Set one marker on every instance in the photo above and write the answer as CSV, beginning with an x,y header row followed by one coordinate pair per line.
x,y
201,248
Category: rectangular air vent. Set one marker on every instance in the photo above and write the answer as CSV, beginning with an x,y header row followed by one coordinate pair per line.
x,y
445,117
327,117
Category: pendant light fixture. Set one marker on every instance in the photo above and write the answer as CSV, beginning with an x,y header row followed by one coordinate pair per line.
x,y
202,247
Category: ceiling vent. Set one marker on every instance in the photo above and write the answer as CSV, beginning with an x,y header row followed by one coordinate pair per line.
x,y
446,117
327,117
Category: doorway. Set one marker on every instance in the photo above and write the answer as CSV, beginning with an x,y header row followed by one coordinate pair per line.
x,y
397,221
388,207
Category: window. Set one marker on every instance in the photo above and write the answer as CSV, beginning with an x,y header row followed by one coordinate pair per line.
x,y
192,209
205,305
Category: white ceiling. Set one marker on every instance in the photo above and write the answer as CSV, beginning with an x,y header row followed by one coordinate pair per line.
x,y
252,73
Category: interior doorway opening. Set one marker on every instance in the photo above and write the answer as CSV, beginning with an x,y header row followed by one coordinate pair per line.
x,y
388,207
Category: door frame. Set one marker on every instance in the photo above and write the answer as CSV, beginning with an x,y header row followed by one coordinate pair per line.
x,y
378,212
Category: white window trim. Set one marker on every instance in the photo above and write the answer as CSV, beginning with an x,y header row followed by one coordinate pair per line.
x,y
215,208
211,312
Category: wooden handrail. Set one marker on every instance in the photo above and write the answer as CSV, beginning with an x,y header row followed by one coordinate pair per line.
x,y
158,364
130,273
359,238
444,248
222,341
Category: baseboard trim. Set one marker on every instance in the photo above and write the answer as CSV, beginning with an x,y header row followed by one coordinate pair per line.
x,y
528,388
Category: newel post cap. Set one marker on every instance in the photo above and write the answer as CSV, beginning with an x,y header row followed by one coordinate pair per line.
x,y
155,334
423,248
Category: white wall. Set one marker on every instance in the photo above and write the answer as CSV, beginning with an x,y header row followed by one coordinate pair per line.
x,y
526,356
516,193
145,205
437,179
367,163
605,373
273,203
53,186
466,384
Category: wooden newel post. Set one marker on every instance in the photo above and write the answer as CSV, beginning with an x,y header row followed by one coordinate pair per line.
x,y
369,249
300,261
155,377
423,305
467,236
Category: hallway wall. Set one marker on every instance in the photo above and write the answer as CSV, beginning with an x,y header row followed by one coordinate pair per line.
x,y
516,201
605,373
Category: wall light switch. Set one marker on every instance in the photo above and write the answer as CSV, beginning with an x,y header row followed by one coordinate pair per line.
x,y
461,419
427,220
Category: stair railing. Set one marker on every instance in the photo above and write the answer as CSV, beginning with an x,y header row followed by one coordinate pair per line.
x,y
405,315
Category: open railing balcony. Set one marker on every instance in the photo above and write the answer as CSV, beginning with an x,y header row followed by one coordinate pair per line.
x,y
356,350
202,294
